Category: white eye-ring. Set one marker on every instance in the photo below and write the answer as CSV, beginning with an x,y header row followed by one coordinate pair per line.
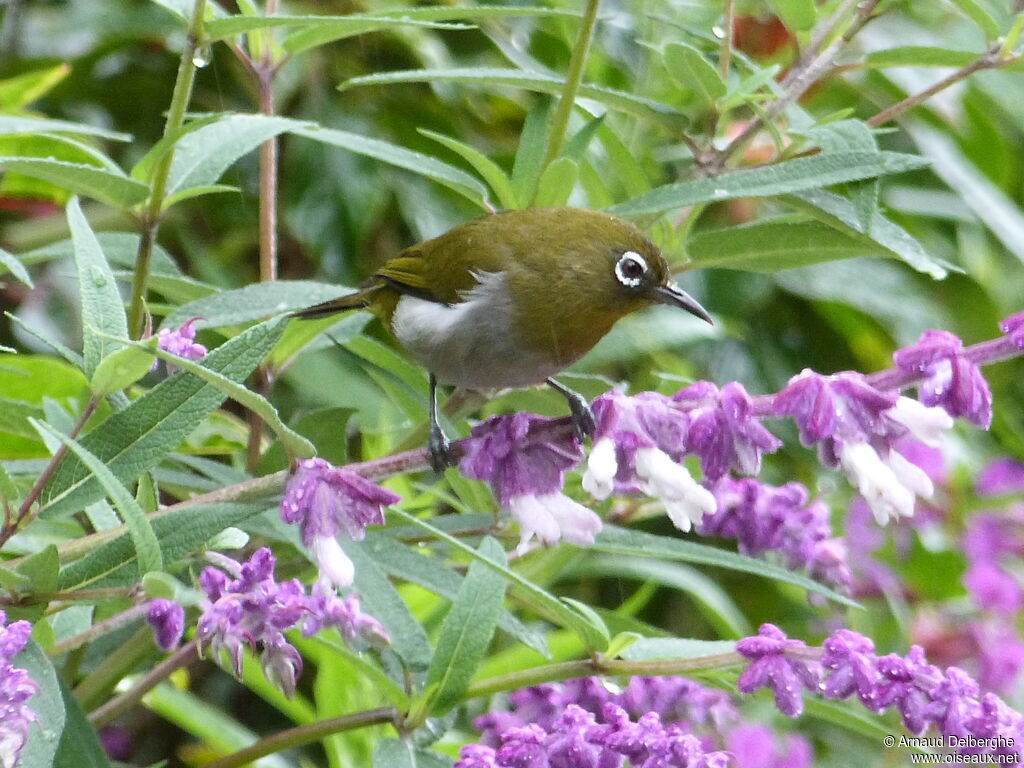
x,y
630,269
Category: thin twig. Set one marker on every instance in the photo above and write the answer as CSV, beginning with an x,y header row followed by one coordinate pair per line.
x,y
117,706
99,629
725,52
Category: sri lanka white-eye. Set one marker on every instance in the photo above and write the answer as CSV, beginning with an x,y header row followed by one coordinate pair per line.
x,y
510,299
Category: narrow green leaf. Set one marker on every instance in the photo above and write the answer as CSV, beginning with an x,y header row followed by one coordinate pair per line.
x,y
795,175
68,354
147,549
13,581
102,308
393,753
650,648
123,368
313,36
144,169
381,599
797,15
11,263
864,197
919,56
79,743
254,302
328,27
191,192
202,156
634,543
540,600
8,490
844,216
388,360
47,704
21,90
529,161
557,182
99,183
517,78
977,13
139,437
693,72
120,248
423,165
576,147
12,124
41,568
487,168
467,629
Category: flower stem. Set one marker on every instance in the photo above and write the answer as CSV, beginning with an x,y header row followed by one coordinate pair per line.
x,y
305,734
117,706
150,219
573,78
99,629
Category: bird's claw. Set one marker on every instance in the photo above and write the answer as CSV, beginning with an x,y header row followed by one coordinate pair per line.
x,y
583,421
439,450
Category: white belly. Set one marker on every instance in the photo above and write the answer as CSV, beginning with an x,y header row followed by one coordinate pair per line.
x,y
471,344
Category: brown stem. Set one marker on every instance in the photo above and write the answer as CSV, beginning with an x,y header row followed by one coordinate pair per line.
x,y
991,59
117,706
23,516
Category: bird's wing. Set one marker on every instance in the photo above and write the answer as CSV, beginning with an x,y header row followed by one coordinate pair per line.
x,y
441,276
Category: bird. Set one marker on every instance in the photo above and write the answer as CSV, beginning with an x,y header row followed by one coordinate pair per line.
x,y
513,298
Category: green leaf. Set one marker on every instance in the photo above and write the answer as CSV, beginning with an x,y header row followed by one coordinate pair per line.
x,y
537,598
651,648
919,56
381,599
977,13
487,168
123,368
120,248
103,184
622,541
467,629
179,531
202,156
41,568
692,71
529,161
557,182
254,302
21,90
47,704
191,192
79,744
13,124
14,582
797,15
11,263
147,549
139,437
325,27
795,175
392,753
423,165
620,101
841,214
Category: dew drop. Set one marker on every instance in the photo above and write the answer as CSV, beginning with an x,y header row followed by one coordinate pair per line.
x,y
720,193
98,278
718,32
202,56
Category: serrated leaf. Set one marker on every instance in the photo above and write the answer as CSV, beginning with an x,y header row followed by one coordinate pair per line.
x,y
795,175
102,308
919,56
100,183
693,72
143,434
254,302
841,214
423,165
797,15
557,182
47,704
202,156
467,629
634,543
529,160
11,263
392,753
180,532
122,368
381,599
487,168
10,124
517,78
147,549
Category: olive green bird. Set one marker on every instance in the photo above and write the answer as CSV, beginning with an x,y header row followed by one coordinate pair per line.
x,y
513,298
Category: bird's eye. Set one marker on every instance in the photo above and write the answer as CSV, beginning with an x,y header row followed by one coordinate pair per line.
x,y
630,269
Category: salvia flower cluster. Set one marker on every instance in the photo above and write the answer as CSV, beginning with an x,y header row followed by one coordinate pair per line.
x,y
926,697
16,688
247,607
181,341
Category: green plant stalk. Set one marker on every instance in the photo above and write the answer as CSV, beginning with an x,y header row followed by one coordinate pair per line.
x,y
99,629
113,668
118,705
560,122
305,734
150,219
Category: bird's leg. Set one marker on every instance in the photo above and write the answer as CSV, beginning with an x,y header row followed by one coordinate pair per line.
x,y
583,420
439,449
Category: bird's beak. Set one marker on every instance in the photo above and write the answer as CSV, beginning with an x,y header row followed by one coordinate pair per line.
x,y
674,296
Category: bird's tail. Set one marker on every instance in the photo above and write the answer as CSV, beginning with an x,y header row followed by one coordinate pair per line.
x,y
358,300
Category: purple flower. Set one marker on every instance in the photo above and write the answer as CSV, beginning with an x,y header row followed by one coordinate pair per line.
x,y
1000,477
167,619
359,629
1000,655
180,342
1013,326
16,688
775,665
754,746
989,536
476,756
326,500
993,588
850,659
117,742
722,429
951,380
638,446
526,472
955,702
907,683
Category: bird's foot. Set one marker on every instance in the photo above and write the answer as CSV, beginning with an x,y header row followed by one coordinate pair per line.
x,y
439,450
583,420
